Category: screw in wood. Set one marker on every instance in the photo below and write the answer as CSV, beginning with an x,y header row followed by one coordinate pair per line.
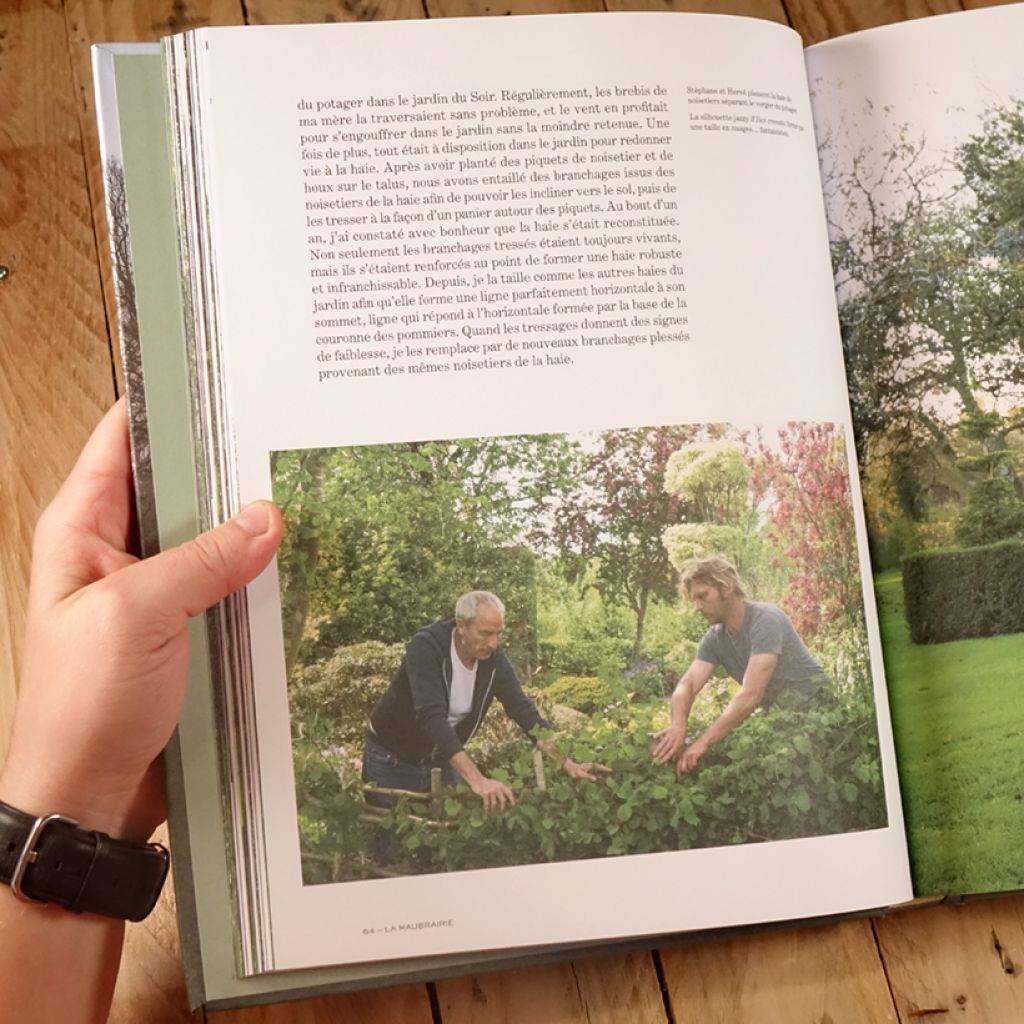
x,y
5,272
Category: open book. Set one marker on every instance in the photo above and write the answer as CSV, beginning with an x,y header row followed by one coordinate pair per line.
x,y
545,307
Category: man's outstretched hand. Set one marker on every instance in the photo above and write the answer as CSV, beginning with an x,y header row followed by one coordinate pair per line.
x,y
669,743
106,646
690,758
495,795
587,770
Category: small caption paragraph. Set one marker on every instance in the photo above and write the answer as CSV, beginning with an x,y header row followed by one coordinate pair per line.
x,y
489,230
726,109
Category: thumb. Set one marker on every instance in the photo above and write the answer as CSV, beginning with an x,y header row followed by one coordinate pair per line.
x,y
186,580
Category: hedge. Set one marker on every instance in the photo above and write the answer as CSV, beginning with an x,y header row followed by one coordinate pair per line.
x,y
339,692
781,775
582,657
584,693
966,593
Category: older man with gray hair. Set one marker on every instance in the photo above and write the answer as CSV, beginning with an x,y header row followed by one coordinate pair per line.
x,y
451,673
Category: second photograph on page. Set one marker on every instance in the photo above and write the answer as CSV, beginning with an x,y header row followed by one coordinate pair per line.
x,y
527,649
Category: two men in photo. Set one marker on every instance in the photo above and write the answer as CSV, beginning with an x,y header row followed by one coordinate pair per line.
x,y
453,670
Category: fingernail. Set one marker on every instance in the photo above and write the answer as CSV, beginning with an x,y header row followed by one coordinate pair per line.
x,y
254,518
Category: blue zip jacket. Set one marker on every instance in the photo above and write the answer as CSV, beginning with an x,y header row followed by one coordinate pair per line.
x,y
411,718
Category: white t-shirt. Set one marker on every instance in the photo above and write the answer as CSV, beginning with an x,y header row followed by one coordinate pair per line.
x,y
463,684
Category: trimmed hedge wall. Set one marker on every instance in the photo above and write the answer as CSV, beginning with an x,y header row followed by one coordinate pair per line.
x,y
960,594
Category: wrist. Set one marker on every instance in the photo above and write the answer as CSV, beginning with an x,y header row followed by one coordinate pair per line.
x,y
52,859
114,810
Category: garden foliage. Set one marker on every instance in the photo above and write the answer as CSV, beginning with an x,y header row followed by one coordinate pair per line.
x,y
583,693
959,594
782,775
339,692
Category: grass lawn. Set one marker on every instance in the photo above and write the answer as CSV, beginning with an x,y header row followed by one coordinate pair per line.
x,y
958,715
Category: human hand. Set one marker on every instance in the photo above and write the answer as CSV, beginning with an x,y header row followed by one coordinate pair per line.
x,y
690,758
495,795
585,770
669,742
106,647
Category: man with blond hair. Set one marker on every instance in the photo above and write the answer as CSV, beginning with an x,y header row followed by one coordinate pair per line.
x,y
754,642
451,673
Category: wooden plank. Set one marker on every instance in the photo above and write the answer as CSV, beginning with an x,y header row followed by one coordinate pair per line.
x,y
964,963
772,10
298,12
120,21
151,985
828,974
816,20
56,378
605,990
483,8
407,1004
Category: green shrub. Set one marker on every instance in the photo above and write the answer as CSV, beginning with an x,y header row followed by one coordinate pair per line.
x,y
993,512
577,656
584,693
843,654
649,679
781,775
973,592
898,537
681,656
336,840
335,696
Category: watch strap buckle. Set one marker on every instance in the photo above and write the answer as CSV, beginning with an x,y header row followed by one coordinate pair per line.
x,y
29,852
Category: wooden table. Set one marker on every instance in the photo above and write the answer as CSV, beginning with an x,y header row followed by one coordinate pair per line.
x,y
60,371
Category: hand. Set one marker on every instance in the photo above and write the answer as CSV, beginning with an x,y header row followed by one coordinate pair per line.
x,y
495,795
669,743
690,758
586,770
106,647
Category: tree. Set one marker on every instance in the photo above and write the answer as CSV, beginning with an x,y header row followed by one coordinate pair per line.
x,y
928,263
993,512
299,492
381,539
619,513
804,485
712,480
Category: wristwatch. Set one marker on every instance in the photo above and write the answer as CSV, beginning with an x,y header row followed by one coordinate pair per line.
x,y
49,859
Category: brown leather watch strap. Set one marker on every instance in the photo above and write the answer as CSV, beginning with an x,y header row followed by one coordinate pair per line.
x,y
85,872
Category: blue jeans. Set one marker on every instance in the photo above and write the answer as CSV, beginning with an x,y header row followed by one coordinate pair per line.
x,y
382,768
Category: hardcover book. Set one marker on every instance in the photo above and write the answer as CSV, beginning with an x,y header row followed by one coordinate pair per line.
x,y
636,388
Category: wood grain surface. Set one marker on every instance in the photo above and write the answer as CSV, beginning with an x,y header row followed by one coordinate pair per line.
x,y
60,372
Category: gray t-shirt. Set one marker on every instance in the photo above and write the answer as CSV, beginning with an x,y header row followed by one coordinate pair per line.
x,y
765,630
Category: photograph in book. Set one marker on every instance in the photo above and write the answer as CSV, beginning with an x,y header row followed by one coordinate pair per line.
x,y
519,610
923,166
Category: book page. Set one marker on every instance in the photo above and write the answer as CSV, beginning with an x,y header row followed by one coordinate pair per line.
x,y
921,128
543,308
